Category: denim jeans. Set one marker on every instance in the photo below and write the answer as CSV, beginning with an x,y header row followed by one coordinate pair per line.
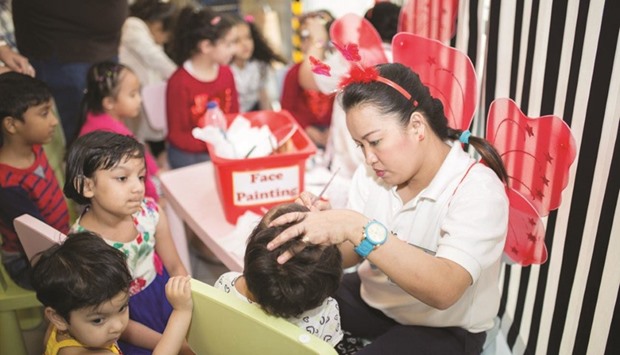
x,y
67,81
178,158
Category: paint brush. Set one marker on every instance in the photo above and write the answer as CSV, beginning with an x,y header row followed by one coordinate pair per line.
x,y
325,187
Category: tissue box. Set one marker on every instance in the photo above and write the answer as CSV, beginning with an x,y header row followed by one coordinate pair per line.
x,y
258,184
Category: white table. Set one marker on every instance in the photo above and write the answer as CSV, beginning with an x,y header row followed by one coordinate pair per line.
x,y
192,193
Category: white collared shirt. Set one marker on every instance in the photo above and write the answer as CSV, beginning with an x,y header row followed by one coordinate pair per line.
x,y
466,225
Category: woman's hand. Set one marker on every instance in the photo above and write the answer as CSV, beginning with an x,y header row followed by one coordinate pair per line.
x,y
15,61
327,227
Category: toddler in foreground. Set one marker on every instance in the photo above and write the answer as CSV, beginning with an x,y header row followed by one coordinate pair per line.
x,y
84,286
298,290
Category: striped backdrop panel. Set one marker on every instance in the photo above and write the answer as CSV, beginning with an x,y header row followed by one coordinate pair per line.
x,y
560,57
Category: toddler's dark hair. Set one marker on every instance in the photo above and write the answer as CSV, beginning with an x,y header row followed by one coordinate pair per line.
x,y
83,271
302,283
94,151
19,92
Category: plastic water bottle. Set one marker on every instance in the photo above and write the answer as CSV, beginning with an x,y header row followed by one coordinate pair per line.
x,y
215,117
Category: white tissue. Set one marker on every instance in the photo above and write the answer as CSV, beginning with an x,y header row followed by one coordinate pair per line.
x,y
241,140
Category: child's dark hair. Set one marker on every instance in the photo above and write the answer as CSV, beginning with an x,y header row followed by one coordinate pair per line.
x,y
98,150
102,80
389,100
197,24
83,271
19,92
154,11
262,51
384,18
303,283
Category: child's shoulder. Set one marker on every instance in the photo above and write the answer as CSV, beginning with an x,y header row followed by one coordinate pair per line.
x,y
227,279
24,164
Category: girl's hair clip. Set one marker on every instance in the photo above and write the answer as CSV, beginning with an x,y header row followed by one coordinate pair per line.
x,y
215,20
249,18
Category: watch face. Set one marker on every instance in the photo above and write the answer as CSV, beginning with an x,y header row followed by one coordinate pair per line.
x,y
376,232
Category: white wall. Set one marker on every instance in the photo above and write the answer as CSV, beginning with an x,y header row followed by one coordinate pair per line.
x,y
339,7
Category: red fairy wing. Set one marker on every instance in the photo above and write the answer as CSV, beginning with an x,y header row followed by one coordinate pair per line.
x,y
319,67
350,30
447,72
525,242
537,153
434,19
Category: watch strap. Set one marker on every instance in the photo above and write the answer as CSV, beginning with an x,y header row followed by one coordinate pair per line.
x,y
366,245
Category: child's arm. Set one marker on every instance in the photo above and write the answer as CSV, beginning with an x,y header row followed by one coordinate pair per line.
x,y
179,294
15,201
166,249
264,99
139,334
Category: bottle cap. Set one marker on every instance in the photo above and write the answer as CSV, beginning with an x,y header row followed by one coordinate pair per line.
x,y
211,104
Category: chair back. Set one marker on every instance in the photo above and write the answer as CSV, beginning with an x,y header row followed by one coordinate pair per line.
x,y
225,324
154,103
36,235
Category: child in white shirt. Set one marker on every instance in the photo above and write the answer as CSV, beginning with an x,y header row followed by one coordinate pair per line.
x,y
298,290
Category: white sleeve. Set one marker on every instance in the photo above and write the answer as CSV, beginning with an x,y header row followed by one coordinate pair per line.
x,y
136,39
474,230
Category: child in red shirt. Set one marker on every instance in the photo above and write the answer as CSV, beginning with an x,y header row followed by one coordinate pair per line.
x,y
202,47
27,182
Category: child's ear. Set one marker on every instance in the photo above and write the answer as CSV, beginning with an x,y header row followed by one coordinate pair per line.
x,y
9,124
108,103
89,187
56,319
204,46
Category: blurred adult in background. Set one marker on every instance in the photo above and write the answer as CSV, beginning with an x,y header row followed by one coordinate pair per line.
x,y
384,18
147,29
62,39
9,58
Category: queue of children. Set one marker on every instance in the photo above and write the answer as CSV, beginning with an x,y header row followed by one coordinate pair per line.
x,y
134,290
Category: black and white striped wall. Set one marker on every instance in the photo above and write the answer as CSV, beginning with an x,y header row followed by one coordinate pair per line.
x,y
560,57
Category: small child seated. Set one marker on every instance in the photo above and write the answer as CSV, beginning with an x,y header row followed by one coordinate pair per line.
x,y
84,286
298,290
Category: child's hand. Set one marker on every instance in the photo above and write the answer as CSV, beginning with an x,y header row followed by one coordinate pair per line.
x,y
179,293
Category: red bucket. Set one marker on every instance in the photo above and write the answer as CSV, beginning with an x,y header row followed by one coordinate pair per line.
x,y
257,184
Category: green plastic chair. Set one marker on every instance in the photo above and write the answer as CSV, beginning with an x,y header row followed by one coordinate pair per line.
x,y
224,324
19,308
14,299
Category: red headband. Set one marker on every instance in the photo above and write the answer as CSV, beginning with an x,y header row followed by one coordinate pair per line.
x,y
357,73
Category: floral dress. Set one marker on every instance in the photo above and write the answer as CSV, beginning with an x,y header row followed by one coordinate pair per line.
x,y
148,304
